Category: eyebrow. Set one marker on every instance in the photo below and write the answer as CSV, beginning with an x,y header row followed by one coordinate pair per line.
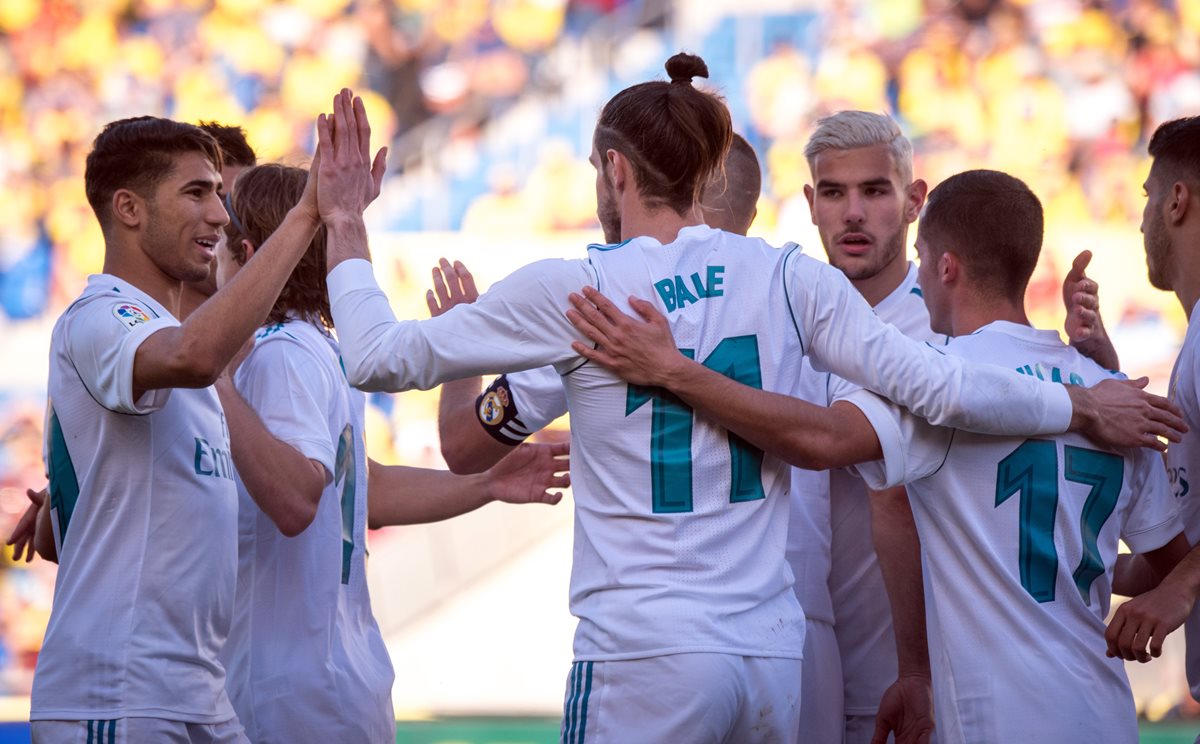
x,y
206,183
825,183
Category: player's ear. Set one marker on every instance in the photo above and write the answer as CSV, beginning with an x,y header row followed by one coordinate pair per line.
x,y
949,268
619,170
809,194
249,248
128,208
1177,208
917,192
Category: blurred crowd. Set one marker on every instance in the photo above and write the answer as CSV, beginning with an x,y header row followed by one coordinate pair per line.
x,y
489,105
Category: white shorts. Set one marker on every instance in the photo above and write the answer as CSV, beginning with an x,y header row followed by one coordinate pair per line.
x,y
693,698
860,729
821,718
137,731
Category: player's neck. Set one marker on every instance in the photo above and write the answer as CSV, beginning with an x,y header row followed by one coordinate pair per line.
x,y
661,224
969,317
189,300
129,263
1186,279
875,289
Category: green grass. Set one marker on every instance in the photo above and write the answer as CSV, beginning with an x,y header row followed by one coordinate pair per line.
x,y
545,731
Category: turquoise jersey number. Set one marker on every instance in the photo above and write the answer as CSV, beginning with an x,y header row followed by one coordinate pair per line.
x,y
1031,470
671,432
343,472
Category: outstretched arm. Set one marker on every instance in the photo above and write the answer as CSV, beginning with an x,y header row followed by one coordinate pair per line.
x,y
466,447
404,495
642,352
194,353
1084,326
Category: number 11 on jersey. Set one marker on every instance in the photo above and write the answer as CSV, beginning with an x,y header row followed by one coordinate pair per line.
x,y
671,432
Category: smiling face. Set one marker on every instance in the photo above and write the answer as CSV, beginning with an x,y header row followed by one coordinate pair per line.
x,y
861,209
184,219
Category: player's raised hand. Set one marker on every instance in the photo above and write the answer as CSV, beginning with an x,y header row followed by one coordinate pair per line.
x,y
526,475
22,535
347,178
1084,326
1139,626
452,285
906,709
640,351
1119,413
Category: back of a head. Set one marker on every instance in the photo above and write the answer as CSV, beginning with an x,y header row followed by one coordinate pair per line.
x,y
850,130
993,223
264,195
730,199
674,135
1175,147
235,149
137,154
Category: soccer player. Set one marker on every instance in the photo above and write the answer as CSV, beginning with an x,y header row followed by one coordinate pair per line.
x,y
1035,522
477,429
678,579
142,500
305,658
1171,233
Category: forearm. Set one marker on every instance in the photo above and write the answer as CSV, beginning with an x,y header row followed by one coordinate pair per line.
x,y
1133,576
1099,348
466,447
196,352
346,239
405,495
285,484
801,433
1184,578
894,534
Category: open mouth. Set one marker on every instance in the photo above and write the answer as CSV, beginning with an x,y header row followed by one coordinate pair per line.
x,y
208,246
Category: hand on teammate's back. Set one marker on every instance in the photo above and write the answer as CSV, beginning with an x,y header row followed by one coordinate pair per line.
x,y
22,535
639,351
907,710
452,285
1119,413
526,474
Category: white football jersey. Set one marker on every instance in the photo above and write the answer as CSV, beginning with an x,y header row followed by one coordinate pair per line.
x,y
305,658
808,516
863,614
1183,466
1018,539
144,510
680,528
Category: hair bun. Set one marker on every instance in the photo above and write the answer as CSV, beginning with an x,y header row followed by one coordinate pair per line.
x,y
683,67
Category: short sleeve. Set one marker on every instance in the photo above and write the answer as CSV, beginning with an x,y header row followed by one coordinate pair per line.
x,y
1153,516
102,337
912,447
292,395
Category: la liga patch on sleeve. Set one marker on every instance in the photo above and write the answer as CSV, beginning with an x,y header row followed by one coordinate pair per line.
x,y
130,315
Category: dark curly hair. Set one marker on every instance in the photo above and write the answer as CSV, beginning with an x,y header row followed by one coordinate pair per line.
x,y
264,195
